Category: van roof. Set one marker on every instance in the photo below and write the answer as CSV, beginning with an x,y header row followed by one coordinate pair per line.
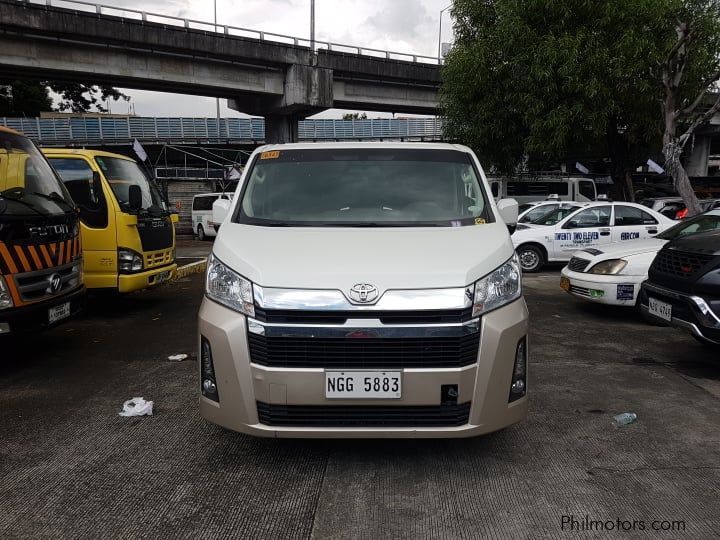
x,y
83,152
347,145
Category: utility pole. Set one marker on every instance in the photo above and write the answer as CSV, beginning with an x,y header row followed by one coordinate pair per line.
x,y
440,34
312,26
217,100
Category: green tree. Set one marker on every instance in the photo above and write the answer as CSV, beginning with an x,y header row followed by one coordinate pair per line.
x,y
354,116
690,72
30,98
545,78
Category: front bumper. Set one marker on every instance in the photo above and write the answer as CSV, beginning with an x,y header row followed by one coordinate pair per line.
x,y
242,384
617,290
689,312
149,278
35,316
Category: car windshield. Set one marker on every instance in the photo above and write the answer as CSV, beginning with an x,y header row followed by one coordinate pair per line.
x,y
553,217
26,176
363,187
123,173
697,224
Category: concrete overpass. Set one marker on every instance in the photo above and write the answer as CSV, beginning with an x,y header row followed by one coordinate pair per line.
x,y
283,82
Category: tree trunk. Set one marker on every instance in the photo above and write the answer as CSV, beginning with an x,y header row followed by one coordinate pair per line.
x,y
673,165
617,150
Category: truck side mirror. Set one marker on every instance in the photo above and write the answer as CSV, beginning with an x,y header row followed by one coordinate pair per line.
x,y
508,209
135,198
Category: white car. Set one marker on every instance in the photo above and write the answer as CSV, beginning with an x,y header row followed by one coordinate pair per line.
x,y
595,225
613,275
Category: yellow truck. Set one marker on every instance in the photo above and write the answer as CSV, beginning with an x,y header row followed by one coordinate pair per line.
x,y
41,279
128,234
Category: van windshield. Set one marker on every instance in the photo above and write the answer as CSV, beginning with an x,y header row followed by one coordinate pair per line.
x,y
358,187
121,174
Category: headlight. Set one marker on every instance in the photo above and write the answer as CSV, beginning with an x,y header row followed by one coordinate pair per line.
x,y
5,298
609,267
129,261
498,288
228,288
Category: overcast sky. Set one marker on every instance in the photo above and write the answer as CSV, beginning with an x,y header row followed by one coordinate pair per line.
x,y
399,25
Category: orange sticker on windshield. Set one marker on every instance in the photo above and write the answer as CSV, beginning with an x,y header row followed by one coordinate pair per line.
x,y
479,221
270,155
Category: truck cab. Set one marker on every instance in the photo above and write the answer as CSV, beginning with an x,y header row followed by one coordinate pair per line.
x,y
128,233
41,279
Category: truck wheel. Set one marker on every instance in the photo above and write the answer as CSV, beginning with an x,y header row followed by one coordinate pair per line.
x,y
201,233
531,258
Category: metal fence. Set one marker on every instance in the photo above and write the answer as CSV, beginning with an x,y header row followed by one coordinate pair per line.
x,y
114,130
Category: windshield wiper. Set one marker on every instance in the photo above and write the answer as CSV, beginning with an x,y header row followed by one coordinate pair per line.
x,y
19,191
54,197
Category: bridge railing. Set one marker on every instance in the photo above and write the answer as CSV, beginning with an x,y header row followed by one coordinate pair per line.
x,y
229,30
116,130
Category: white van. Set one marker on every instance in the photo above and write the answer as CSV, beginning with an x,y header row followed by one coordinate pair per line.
x,y
202,213
525,190
364,290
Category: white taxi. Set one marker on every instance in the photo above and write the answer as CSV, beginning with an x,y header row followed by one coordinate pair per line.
x,y
595,225
613,275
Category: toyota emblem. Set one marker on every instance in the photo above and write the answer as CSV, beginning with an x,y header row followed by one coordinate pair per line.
x,y
54,284
363,293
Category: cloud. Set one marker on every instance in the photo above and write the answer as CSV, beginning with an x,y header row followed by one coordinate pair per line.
x,y
400,20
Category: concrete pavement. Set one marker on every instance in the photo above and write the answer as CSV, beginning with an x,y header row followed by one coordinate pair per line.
x,y
71,467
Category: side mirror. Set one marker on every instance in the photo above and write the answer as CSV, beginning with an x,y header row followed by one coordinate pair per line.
x,y
220,209
135,198
508,209
571,225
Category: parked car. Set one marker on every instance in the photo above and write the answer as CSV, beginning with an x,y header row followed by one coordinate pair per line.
x,y
683,286
593,226
341,304
705,205
667,206
203,223
614,274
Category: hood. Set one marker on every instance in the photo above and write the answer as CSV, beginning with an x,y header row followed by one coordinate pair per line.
x,y
619,250
340,257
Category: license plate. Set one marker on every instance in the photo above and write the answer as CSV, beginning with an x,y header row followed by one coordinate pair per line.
x,y
363,384
565,283
162,277
660,309
59,312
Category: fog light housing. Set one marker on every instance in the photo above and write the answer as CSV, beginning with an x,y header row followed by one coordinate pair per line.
x,y
208,384
594,293
518,386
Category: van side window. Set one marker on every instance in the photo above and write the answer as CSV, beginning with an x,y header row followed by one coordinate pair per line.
x,y
77,176
203,203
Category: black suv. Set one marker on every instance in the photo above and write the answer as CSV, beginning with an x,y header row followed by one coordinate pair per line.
x,y
683,288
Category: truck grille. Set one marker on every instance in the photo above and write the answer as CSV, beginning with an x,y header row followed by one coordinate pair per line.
x,y
679,263
364,352
577,264
158,258
364,415
35,286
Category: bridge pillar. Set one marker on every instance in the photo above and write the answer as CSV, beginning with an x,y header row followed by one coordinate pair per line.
x,y
696,163
307,90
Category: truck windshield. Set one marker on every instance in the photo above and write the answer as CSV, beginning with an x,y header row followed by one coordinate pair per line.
x,y
123,173
26,176
363,187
